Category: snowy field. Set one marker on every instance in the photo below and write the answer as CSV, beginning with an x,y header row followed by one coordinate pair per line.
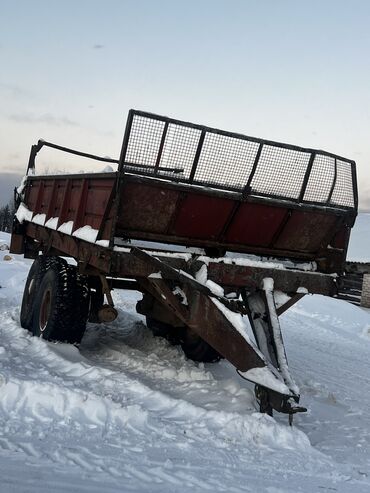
x,y
128,412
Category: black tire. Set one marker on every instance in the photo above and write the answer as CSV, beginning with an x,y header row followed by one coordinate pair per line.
x,y
61,305
161,329
34,278
197,349
80,298
194,347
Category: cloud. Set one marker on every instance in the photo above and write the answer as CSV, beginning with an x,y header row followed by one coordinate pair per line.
x,y
98,46
15,91
47,118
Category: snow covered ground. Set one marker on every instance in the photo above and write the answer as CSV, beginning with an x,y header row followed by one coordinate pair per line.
x,y
128,412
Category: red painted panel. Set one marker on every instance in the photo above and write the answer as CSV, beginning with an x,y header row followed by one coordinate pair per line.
x,y
307,231
97,200
146,208
61,185
46,196
255,224
32,193
202,216
74,200
93,221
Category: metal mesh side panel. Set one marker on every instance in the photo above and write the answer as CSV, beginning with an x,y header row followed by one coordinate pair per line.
x,y
343,190
321,179
280,172
175,150
179,150
225,160
145,139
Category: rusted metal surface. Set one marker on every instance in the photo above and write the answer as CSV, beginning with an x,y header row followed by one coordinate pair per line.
x,y
288,281
84,200
293,300
145,208
124,264
181,183
216,329
210,316
17,243
200,313
155,213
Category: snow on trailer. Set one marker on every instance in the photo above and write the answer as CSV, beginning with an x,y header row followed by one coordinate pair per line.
x,y
286,210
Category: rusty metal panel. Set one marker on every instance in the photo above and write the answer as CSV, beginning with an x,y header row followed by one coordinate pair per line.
x,y
97,199
59,193
146,208
32,192
45,197
126,265
74,199
83,200
153,211
284,280
307,231
341,238
255,224
202,315
212,326
202,216
16,243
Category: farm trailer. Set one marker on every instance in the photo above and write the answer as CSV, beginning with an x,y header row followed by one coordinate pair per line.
x,y
212,227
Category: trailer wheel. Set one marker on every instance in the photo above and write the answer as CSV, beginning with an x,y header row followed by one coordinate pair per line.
x,y
61,305
34,278
194,347
80,299
198,349
161,329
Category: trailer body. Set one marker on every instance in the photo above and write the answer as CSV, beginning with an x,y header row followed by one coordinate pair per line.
x,y
257,216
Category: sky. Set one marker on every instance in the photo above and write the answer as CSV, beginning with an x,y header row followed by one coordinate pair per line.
x,y
291,71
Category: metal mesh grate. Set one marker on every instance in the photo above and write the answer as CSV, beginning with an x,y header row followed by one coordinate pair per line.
x,y
343,190
225,160
321,179
145,139
271,178
179,150
188,153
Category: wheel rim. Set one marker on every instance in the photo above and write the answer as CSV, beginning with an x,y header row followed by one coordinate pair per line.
x,y
45,310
